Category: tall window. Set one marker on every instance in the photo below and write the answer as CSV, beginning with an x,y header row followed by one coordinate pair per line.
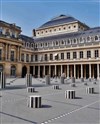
x,y
45,57
27,57
12,56
31,58
36,57
96,53
74,55
51,56
22,57
88,54
81,54
0,30
62,55
13,71
68,55
57,57
0,54
96,38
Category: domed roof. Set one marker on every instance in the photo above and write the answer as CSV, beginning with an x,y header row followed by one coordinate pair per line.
x,y
62,19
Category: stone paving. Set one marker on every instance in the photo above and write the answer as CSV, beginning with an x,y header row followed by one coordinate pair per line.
x,y
84,109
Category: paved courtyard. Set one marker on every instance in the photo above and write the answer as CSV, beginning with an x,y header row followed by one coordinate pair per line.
x,y
84,109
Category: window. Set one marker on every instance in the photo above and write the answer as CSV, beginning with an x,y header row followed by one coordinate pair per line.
x,y
62,42
68,41
13,71
88,54
64,28
59,29
74,55
69,27
22,57
31,58
1,68
57,57
81,39
13,34
74,40
74,26
62,55
32,45
0,54
36,57
96,38
0,30
12,56
96,53
27,57
68,55
45,57
51,56
56,42
81,54
88,39
54,29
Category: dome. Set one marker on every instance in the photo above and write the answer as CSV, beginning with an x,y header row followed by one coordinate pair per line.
x,y
59,20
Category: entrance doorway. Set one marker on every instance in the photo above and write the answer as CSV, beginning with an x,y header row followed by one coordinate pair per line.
x,y
24,71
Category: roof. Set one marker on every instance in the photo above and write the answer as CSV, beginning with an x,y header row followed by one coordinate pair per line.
x,y
59,20
26,38
89,32
11,25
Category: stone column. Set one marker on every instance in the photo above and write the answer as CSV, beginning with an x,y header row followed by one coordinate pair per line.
x,y
61,70
6,52
38,71
74,71
44,71
33,70
18,53
9,52
90,71
81,71
55,70
67,71
97,71
50,70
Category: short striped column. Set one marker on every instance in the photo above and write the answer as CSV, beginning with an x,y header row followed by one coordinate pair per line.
x,y
70,94
28,80
62,79
30,89
35,101
3,80
56,87
90,90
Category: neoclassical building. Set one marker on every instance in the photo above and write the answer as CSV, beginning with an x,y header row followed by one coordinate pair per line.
x,y
61,45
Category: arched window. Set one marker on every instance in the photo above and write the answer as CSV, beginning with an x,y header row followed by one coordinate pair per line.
x,y
96,38
56,42
88,39
74,40
0,30
13,70
62,42
68,42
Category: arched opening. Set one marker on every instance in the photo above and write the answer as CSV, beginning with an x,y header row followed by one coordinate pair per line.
x,y
24,71
13,71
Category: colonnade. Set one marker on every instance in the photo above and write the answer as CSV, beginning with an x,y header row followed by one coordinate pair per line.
x,y
77,71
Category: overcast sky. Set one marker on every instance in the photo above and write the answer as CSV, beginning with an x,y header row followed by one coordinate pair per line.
x,y
30,14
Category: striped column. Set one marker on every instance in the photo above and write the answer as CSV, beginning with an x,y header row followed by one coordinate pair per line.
x,y
35,101
70,94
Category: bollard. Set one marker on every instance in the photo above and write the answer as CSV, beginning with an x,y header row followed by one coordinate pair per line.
x,y
30,89
62,79
90,79
47,80
3,80
34,101
85,83
73,80
28,80
90,90
56,87
70,94
82,79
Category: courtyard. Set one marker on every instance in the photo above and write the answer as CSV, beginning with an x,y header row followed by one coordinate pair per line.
x,y
56,109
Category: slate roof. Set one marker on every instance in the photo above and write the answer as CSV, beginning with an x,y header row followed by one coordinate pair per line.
x,y
89,32
62,19
26,38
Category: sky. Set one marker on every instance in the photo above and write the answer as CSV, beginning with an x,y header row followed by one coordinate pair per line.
x,y
31,14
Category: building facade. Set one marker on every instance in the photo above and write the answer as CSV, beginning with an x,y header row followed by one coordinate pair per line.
x,y
61,45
